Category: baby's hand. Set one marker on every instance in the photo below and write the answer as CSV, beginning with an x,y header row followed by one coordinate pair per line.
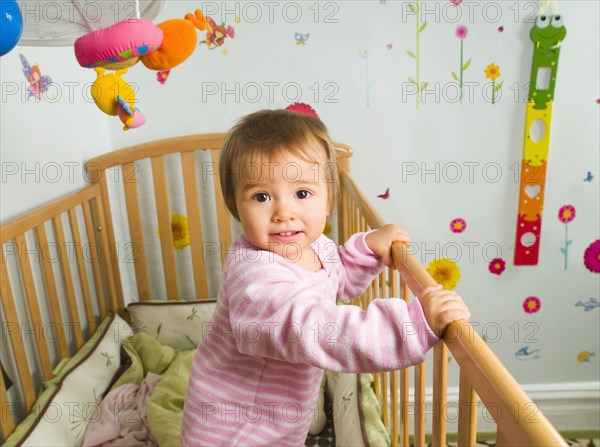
x,y
441,307
380,241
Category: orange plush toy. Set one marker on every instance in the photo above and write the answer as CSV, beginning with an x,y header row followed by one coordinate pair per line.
x,y
179,42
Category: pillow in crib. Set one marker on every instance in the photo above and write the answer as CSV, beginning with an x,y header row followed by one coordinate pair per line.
x,y
179,324
356,412
64,408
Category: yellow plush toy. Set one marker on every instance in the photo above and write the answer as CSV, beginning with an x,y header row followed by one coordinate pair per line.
x,y
114,96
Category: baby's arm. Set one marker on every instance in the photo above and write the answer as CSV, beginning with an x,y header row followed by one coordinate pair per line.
x,y
274,315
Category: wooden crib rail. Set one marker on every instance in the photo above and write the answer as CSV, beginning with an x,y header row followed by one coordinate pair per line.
x,y
518,419
189,143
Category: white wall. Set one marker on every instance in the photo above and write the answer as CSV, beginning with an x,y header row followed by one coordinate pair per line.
x,y
44,145
390,137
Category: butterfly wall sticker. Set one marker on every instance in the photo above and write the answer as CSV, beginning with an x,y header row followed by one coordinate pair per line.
x,y
38,84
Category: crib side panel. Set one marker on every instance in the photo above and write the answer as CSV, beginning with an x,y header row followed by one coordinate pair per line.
x,y
56,287
482,375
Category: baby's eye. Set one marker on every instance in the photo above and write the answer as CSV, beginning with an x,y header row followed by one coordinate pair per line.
x,y
261,197
303,194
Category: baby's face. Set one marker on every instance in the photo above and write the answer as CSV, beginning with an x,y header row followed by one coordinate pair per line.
x,y
282,203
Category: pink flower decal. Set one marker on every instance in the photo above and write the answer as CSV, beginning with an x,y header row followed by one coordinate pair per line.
x,y
532,304
162,76
497,266
566,213
591,257
461,32
458,225
456,2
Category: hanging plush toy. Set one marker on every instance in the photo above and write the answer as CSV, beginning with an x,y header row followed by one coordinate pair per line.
x,y
124,44
114,97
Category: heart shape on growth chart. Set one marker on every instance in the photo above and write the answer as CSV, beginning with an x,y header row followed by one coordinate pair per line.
x,y
532,190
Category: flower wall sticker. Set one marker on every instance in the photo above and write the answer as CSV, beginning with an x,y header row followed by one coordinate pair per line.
x,y
584,356
363,53
419,86
161,76
497,266
532,304
591,257
180,231
566,214
492,72
458,225
444,272
461,32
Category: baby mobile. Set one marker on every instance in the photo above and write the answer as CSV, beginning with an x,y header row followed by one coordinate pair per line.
x,y
547,35
120,46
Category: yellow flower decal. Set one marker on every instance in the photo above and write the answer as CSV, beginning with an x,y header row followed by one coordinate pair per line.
x,y
492,72
445,272
180,230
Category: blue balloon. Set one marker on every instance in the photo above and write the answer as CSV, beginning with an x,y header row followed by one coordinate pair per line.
x,y
11,25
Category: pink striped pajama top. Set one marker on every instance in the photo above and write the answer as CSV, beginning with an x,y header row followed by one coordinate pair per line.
x,y
256,374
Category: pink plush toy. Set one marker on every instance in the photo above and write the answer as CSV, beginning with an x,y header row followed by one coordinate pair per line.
x,y
118,46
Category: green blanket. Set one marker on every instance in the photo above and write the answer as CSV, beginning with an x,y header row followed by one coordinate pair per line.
x,y
165,405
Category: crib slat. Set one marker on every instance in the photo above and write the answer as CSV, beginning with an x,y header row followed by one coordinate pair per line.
x,y
384,398
98,283
440,385
68,280
404,381
115,300
10,313
223,223
419,438
395,396
115,289
83,278
188,166
7,423
164,227
135,230
33,305
50,282
467,412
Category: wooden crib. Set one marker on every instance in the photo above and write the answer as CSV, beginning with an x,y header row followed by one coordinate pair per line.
x,y
33,285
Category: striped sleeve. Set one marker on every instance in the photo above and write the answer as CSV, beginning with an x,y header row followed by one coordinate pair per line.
x,y
274,314
358,266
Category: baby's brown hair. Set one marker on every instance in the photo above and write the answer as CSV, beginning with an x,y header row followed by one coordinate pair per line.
x,y
267,134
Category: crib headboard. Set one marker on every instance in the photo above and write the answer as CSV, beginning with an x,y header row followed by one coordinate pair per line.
x,y
198,159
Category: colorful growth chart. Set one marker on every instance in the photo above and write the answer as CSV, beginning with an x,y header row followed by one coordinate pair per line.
x,y
547,35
